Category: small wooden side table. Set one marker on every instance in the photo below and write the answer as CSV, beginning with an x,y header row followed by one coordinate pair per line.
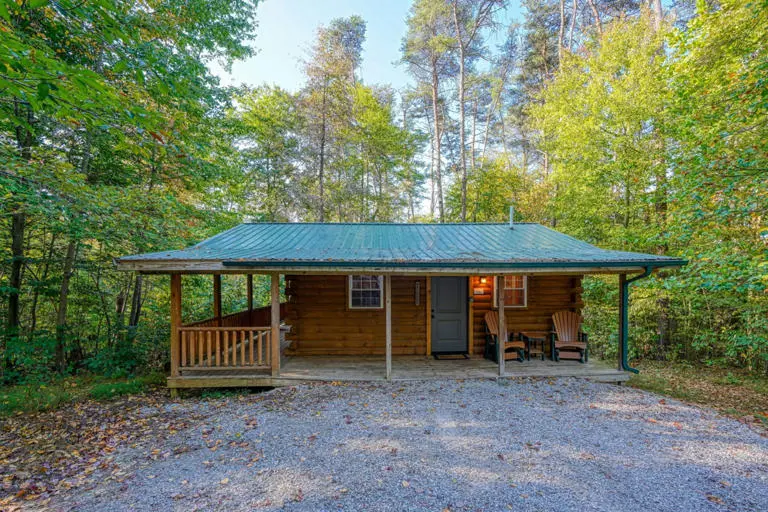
x,y
535,341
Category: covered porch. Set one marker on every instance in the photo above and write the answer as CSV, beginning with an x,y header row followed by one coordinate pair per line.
x,y
248,348
374,302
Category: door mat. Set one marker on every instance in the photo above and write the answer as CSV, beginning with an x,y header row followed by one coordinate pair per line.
x,y
450,355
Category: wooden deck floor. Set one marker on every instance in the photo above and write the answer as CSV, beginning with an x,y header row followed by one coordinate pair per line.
x,y
298,370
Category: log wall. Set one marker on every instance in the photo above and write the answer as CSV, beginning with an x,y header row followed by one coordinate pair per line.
x,y
322,322
546,295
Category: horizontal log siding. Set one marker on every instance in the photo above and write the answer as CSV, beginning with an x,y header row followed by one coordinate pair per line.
x,y
259,316
546,295
323,324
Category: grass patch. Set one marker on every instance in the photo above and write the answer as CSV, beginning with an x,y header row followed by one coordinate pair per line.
x,y
110,390
42,397
731,392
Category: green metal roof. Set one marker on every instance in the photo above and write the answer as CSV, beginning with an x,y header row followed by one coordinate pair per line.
x,y
424,246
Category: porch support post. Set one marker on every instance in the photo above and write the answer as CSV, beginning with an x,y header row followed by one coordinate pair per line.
x,y
217,299
501,345
428,313
175,322
623,319
249,291
388,322
470,317
275,324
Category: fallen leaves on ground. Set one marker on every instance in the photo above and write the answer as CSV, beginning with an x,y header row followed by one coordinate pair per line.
x,y
732,392
45,453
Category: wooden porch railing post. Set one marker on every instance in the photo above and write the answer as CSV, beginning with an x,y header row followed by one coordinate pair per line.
x,y
249,293
388,320
501,345
275,324
217,299
175,322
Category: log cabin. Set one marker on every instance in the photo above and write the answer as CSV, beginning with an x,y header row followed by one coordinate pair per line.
x,y
375,301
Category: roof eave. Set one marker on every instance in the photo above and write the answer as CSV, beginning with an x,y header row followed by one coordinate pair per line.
x,y
395,267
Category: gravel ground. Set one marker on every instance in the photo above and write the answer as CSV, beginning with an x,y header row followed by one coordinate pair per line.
x,y
442,445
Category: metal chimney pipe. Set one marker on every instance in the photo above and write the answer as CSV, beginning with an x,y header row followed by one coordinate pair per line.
x,y
511,217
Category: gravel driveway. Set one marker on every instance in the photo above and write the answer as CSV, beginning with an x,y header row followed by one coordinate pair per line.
x,y
443,445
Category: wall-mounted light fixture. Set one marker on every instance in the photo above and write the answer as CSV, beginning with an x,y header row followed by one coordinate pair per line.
x,y
483,280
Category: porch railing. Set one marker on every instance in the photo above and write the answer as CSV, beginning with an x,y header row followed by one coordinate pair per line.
x,y
225,348
257,316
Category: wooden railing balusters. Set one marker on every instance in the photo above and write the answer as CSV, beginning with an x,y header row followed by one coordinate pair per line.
x,y
183,348
208,347
242,348
192,349
200,336
250,347
218,348
202,347
226,348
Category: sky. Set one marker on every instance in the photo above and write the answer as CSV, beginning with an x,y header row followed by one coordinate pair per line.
x,y
287,29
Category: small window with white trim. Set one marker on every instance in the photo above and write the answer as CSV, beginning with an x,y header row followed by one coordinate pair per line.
x,y
366,292
515,292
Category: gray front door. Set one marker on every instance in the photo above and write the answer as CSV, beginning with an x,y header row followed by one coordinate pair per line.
x,y
449,315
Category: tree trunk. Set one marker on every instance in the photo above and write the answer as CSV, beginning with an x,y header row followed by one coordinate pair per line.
x,y
18,223
43,279
596,14
504,144
473,140
561,34
436,114
573,24
492,111
411,184
431,172
658,14
462,124
488,118
136,301
61,315
322,155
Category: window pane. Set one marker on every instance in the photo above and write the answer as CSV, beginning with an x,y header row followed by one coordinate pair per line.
x,y
514,291
366,299
365,292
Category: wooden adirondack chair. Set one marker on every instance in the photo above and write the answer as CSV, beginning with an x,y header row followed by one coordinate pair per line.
x,y
569,341
492,338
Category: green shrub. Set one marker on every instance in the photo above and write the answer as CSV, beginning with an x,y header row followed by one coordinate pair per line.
x,y
110,390
32,397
